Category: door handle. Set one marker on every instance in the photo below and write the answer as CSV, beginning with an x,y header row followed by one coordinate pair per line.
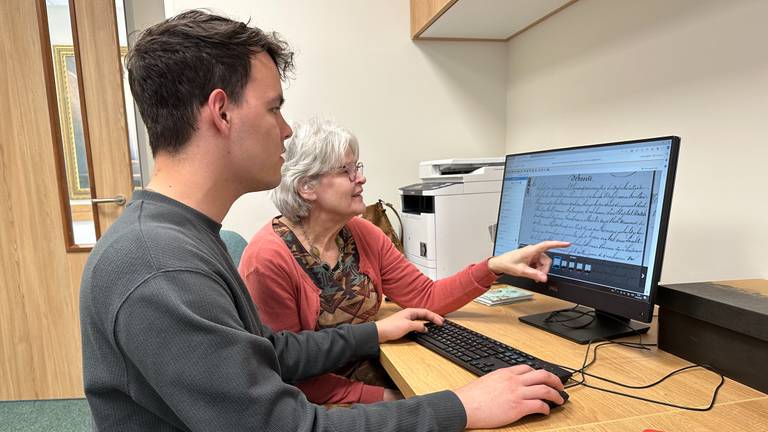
x,y
118,199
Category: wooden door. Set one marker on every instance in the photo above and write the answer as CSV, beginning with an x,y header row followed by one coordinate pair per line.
x,y
40,350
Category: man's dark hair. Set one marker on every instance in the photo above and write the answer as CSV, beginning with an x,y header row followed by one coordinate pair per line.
x,y
175,65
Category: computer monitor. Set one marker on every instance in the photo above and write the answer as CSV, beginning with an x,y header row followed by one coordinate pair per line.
x,y
611,201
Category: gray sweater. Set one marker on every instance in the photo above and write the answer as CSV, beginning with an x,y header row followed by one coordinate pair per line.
x,y
172,341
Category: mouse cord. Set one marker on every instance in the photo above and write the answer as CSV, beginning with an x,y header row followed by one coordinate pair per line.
x,y
634,345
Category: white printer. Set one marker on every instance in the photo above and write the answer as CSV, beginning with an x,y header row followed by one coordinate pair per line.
x,y
447,217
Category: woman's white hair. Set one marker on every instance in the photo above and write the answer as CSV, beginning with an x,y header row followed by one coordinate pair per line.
x,y
316,147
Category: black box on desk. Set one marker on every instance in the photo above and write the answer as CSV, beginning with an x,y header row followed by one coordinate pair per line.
x,y
722,324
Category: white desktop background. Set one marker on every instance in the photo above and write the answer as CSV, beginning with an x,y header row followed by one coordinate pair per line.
x,y
599,71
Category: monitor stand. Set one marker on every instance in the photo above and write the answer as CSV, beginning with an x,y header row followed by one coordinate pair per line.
x,y
605,325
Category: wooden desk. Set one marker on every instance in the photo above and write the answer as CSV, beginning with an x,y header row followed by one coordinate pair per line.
x,y
417,370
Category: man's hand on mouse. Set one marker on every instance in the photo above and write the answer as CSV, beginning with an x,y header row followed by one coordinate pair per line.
x,y
508,394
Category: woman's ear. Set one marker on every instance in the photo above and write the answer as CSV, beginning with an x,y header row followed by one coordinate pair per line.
x,y
306,190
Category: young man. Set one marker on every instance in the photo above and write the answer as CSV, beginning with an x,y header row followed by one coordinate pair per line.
x,y
171,340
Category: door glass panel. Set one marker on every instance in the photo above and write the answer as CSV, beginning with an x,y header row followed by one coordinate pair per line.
x,y
74,146
130,110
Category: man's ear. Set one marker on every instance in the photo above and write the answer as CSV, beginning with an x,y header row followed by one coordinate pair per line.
x,y
218,107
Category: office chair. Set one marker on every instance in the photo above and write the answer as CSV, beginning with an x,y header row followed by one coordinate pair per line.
x,y
235,245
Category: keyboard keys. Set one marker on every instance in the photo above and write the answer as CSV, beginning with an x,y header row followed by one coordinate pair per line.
x,y
478,353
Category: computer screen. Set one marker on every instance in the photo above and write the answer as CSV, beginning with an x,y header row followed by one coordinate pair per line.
x,y
611,201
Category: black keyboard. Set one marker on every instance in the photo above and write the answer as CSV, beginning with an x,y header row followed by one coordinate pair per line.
x,y
477,353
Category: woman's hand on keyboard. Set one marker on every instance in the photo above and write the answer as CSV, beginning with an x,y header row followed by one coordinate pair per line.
x,y
405,321
506,395
529,261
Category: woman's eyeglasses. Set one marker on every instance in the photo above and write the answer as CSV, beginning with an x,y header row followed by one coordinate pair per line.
x,y
352,170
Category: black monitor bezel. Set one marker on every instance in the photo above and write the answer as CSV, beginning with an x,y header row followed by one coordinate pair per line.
x,y
580,292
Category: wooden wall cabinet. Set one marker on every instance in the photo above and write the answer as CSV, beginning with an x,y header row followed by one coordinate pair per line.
x,y
483,20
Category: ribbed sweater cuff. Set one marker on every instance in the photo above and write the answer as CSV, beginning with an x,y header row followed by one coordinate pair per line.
x,y
447,410
366,339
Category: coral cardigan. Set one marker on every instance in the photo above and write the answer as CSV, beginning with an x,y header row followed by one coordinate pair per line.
x,y
288,299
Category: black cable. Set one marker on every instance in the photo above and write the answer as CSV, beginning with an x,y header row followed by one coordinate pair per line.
x,y
707,408
586,364
641,387
634,345
551,317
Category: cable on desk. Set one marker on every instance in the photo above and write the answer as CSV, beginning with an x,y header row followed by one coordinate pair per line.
x,y
634,345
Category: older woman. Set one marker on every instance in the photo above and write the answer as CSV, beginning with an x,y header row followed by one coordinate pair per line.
x,y
318,265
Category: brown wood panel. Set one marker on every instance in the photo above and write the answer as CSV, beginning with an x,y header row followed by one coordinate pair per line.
x,y
755,286
82,212
96,37
417,370
425,12
738,416
39,331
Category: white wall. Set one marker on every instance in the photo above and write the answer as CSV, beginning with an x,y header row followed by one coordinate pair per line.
x,y
610,70
405,101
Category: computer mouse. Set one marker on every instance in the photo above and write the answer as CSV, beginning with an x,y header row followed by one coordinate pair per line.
x,y
554,404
